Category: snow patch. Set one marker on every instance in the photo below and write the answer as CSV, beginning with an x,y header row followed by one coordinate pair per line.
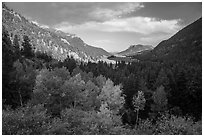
x,y
50,42
56,48
40,25
65,41
18,16
74,55
74,36
44,26
61,51
65,50
35,22
43,42
84,54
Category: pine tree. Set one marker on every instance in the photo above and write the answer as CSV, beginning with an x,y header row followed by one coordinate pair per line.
x,y
16,46
162,79
27,48
160,101
7,67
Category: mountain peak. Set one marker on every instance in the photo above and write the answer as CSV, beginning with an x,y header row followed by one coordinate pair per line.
x,y
138,45
135,49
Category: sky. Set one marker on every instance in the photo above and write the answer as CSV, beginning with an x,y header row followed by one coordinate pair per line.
x,y
113,26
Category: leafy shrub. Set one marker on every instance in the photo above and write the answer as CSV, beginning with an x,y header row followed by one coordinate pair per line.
x,y
25,120
173,125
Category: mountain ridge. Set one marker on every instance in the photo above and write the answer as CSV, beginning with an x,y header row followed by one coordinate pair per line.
x,y
48,40
135,49
185,45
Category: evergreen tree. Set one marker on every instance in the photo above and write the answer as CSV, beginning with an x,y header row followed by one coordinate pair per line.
x,y
23,80
70,64
162,79
160,101
27,48
7,67
76,71
16,46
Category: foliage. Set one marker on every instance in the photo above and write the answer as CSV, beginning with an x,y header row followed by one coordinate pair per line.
x,y
58,90
139,101
7,67
100,81
18,73
173,125
25,120
82,108
112,96
16,46
96,98
23,80
27,50
160,101
51,90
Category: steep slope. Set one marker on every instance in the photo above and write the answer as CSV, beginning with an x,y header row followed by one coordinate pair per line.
x,y
53,42
184,46
135,49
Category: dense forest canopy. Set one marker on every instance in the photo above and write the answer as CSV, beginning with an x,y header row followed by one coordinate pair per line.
x,y
44,96
158,91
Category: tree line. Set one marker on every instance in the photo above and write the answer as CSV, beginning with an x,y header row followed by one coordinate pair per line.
x,y
70,97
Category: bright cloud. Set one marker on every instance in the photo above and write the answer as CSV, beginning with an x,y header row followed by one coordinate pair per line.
x,y
115,12
104,41
154,39
142,25
126,31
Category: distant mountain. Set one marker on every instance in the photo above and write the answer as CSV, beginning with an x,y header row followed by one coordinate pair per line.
x,y
184,46
135,49
53,42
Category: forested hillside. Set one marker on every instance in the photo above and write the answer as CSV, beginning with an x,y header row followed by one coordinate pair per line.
x,y
185,46
42,95
53,42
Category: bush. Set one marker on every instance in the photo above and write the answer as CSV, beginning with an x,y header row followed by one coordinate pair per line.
x,y
24,121
173,125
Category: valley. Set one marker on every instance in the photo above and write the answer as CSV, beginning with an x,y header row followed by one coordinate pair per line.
x,y
54,83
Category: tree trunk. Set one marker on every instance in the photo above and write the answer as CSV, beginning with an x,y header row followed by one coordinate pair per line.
x,y
20,97
60,105
74,102
137,117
